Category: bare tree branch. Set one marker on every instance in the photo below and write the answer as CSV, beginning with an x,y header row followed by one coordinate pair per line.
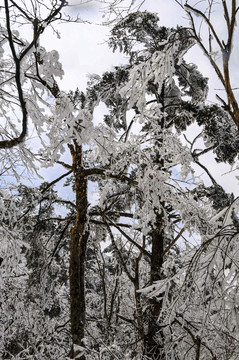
x,y
144,251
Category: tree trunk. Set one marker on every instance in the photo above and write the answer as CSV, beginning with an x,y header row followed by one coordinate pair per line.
x,y
78,244
153,341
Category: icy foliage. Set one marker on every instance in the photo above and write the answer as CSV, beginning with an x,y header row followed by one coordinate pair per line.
x,y
33,284
199,292
219,132
49,65
33,105
148,285
196,287
157,69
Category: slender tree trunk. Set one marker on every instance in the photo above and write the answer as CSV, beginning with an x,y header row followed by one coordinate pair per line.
x,y
78,244
152,348
154,340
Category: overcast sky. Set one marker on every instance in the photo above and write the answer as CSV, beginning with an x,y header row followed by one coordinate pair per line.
x,y
83,50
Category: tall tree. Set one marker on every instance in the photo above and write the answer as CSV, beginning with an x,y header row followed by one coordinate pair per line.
x,y
148,86
133,290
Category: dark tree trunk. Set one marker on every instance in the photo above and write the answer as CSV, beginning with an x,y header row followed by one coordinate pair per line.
x,y
152,348
154,339
78,244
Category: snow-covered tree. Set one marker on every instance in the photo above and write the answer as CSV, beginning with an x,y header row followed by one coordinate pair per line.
x,y
34,275
164,94
136,287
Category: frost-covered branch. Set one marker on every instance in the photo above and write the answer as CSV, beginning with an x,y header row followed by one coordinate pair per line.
x,y
19,59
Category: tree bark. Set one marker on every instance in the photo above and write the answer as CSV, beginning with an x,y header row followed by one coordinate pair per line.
x,y
152,347
78,244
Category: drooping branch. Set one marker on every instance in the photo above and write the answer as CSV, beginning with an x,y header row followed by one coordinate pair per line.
x,y
15,141
9,143
185,324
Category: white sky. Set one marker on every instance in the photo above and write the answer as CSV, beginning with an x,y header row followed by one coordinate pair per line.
x,y
83,50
